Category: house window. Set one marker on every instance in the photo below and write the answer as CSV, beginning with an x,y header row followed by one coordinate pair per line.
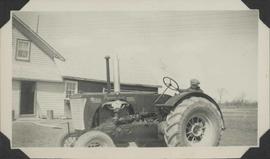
x,y
23,50
71,87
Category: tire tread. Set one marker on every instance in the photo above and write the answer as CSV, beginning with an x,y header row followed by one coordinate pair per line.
x,y
172,136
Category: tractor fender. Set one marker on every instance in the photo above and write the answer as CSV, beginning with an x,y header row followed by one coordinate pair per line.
x,y
175,100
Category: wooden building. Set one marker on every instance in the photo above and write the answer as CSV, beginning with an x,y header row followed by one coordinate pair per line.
x,y
37,83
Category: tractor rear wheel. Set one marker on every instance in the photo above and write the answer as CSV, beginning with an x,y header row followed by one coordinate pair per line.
x,y
194,122
94,138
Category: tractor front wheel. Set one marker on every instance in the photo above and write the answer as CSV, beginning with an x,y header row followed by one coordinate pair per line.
x,y
94,138
194,122
68,139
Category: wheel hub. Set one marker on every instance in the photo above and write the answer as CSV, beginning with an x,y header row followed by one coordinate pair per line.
x,y
195,129
94,144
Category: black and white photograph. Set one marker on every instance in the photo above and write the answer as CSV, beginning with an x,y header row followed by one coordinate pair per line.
x,y
135,78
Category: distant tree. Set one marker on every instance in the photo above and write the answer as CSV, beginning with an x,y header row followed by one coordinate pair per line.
x,y
242,98
221,92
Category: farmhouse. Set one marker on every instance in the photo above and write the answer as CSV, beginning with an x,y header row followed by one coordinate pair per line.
x,y
38,85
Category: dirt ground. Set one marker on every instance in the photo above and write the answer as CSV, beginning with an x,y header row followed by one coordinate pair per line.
x,y
241,130
241,126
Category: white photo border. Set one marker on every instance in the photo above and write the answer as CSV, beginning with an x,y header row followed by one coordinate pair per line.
x,y
185,152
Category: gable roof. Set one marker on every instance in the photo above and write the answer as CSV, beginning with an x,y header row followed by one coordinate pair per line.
x,y
35,38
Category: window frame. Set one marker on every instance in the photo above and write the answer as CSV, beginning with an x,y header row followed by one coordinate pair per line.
x,y
76,87
17,49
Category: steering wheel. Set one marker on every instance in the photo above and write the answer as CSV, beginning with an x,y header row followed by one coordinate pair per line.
x,y
171,83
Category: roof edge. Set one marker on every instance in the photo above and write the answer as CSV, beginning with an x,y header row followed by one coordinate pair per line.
x,y
104,81
36,79
34,37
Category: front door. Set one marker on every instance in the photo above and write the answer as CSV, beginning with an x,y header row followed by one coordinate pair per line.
x,y
27,98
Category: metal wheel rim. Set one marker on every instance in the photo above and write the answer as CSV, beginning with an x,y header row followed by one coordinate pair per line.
x,y
70,141
96,143
197,129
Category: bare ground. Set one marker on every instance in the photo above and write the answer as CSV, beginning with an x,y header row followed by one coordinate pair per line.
x,y
241,126
241,130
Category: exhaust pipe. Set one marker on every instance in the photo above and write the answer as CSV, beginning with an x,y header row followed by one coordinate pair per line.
x,y
116,75
108,73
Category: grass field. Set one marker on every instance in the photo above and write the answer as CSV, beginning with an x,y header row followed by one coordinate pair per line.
x,y
241,126
241,130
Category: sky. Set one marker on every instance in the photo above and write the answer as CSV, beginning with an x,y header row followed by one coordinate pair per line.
x,y
219,48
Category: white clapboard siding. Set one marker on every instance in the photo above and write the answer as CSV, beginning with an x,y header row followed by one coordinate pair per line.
x,y
50,96
16,97
41,66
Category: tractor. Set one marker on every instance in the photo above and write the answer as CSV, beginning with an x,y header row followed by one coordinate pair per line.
x,y
144,119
